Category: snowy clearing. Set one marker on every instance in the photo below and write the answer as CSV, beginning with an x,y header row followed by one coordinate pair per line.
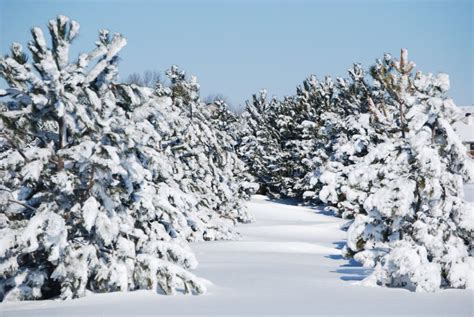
x,y
287,263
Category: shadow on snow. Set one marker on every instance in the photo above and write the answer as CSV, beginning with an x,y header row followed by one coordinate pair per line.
x,y
350,271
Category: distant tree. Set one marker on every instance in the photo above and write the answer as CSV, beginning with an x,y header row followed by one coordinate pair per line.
x,y
259,144
146,79
212,98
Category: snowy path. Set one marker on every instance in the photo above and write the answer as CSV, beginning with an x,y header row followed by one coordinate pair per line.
x,y
287,263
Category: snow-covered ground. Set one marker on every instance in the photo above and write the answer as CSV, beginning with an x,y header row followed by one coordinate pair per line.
x,y
287,263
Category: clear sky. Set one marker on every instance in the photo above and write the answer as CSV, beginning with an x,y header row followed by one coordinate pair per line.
x,y
238,47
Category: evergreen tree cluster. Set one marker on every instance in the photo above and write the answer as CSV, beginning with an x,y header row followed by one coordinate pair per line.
x,y
377,148
101,183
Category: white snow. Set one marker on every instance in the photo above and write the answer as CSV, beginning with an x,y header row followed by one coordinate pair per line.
x,y
287,263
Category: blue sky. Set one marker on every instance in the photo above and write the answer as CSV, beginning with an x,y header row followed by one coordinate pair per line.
x,y
238,47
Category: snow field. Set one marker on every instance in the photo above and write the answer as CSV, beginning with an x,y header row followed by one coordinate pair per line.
x,y
287,263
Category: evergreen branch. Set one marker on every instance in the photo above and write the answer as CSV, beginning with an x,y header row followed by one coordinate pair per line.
x,y
5,136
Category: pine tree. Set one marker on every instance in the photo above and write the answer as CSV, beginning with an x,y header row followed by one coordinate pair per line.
x,y
259,146
317,105
210,187
296,128
213,153
227,123
352,126
414,227
74,191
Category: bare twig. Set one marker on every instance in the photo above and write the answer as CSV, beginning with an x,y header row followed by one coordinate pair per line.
x,y
12,143
22,204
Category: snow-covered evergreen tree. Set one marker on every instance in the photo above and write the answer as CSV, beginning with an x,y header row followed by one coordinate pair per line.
x,y
227,123
210,151
280,137
209,187
315,131
76,213
351,127
223,119
296,128
414,226
383,152
259,146
312,133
